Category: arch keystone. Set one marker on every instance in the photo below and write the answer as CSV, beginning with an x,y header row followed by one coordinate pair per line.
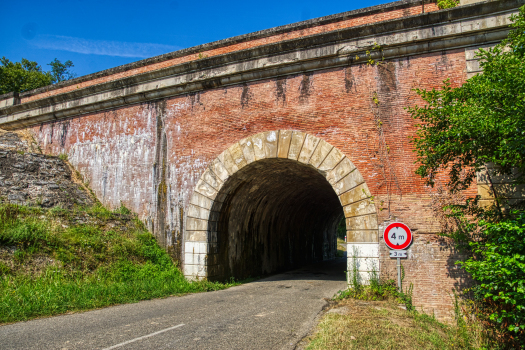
x,y
270,145
285,137
296,144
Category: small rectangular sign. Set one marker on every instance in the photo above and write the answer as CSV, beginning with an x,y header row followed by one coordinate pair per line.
x,y
398,253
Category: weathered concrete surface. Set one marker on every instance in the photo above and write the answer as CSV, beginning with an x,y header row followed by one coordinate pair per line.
x,y
272,313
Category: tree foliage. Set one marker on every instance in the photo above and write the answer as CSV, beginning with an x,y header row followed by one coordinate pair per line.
x,y
461,130
28,75
445,4
481,122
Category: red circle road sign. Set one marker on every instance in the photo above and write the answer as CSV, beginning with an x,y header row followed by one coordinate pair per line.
x,y
397,236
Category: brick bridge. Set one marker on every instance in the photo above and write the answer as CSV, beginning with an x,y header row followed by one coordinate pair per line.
x,y
242,156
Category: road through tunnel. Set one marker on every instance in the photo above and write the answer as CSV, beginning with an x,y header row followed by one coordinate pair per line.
x,y
278,214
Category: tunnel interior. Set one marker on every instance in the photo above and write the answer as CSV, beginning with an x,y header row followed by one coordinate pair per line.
x,y
277,214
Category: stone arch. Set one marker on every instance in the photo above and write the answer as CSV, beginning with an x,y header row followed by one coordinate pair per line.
x,y
268,150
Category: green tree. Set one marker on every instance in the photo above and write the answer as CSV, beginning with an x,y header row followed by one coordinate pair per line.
x,y
462,130
61,71
481,122
28,75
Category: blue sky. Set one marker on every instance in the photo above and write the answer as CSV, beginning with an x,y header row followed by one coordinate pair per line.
x,y
97,35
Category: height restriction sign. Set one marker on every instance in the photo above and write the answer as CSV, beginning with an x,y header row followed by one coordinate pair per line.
x,y
397,236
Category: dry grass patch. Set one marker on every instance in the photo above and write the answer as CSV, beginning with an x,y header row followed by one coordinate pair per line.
x,y
356,324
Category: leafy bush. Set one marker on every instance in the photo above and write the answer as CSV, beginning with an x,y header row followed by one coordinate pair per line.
x,y
498,264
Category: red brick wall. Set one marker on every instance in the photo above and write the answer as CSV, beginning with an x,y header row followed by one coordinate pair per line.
x,y
358,109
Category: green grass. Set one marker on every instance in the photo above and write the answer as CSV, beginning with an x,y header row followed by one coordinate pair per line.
x,y
56,261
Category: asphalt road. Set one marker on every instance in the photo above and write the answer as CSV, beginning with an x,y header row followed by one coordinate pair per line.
x,y
271,313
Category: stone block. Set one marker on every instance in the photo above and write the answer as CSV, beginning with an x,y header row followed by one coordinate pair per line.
x,y
212,248
356,194
285,137
348,182
219,169
503,190
196,236
362,250
341,170
321,152
271,140
195,259
197,212
205,189
363,264
362,236
296,144
188,258
238,156
195,247
258,147
309,145
212,236
201,200
229,164
212,179
193,224
365,222
488,175
333,158
473,66
247,149
365,206
202,271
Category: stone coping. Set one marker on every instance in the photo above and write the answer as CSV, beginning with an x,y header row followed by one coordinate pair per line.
x,y
230,41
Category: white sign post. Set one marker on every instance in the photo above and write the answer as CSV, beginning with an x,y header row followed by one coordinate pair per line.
x,y
398,237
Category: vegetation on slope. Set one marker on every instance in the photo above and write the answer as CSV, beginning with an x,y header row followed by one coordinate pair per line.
x,y
54,261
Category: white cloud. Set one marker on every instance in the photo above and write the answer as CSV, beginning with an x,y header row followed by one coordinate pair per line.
x,y
101,47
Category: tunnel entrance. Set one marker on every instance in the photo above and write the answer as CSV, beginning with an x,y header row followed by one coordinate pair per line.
x,y
272,202
279,214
